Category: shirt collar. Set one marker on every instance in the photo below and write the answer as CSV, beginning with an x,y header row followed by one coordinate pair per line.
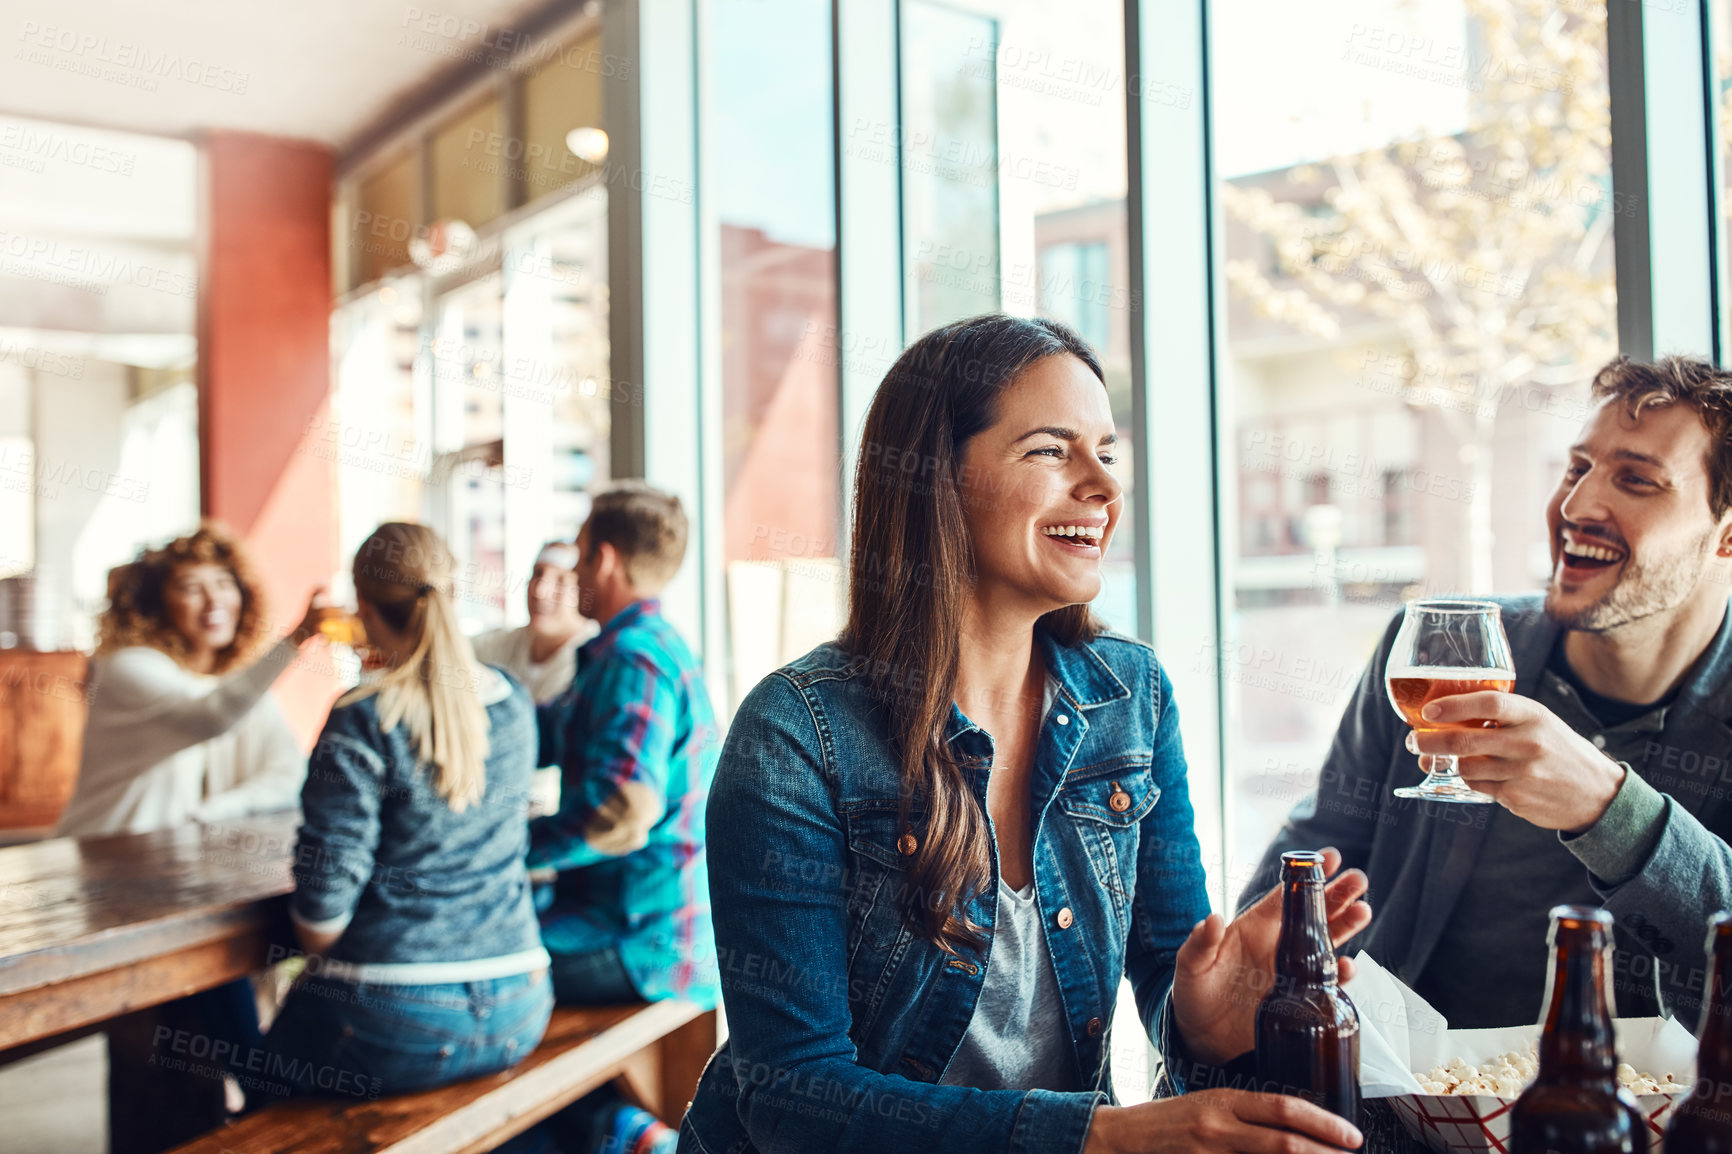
x,y
1706,684
616,624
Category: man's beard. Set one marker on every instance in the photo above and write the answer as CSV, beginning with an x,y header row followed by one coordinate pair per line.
x,y
1643,590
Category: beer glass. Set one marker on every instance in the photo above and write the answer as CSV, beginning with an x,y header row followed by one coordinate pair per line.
x,y
1444,648
342,627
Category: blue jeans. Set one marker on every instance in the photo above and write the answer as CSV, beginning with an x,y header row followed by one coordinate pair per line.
x,y
362,1040
597,978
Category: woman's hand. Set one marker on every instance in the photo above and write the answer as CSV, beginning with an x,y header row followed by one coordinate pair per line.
x,y
1225,968
1217,1122
309,626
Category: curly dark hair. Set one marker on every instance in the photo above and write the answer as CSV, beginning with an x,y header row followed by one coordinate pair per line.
x,y
1638,385
136,614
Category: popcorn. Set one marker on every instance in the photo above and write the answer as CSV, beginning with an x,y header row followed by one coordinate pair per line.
x,y
1508,1074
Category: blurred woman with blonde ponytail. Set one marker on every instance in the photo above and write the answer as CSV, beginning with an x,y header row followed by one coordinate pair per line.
x,y
411,898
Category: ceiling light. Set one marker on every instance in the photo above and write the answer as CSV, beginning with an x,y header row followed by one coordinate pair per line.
x,y
589,144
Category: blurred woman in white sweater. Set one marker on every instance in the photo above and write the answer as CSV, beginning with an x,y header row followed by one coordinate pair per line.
x,y
181,725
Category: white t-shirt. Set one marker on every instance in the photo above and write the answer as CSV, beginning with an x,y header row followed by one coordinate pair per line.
x,y
164,745
509,650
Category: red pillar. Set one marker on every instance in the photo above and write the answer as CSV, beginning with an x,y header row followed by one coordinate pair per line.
x,y
264,373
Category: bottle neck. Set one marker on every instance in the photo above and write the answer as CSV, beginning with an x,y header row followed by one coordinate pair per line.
x,y
1303,953
1578,1040
1714,1053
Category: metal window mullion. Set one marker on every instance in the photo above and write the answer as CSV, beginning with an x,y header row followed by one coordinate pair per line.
x,y
655,300
868,190
1713,96
1175,311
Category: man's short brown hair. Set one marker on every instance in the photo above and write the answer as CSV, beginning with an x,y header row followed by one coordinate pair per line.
x,y
647,527
1680,380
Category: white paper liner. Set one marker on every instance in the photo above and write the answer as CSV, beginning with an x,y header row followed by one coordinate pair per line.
x,y
1402,1036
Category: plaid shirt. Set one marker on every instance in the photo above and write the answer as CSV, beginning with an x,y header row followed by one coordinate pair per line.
x,y
637,744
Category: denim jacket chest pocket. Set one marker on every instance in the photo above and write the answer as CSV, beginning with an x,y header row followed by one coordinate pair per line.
x,y
879,938
1103,808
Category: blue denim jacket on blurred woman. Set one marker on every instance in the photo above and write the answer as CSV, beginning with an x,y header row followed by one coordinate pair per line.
x,y
843,1020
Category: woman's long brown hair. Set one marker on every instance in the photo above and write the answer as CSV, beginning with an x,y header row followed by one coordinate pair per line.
x,y
909,572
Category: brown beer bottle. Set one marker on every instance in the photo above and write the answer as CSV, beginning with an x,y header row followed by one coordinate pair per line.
x,y
1702,1123
1575,1105
1307,1029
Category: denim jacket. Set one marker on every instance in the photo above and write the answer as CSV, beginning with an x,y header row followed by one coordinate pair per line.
x,y
420,892
842,1019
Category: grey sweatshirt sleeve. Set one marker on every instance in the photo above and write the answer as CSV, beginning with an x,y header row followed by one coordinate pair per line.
x,y
1661,899
339,838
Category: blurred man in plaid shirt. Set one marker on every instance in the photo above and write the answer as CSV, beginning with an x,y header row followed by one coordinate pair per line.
x,y
636,742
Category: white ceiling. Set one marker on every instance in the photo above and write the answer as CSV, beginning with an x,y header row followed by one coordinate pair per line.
x,y
322,70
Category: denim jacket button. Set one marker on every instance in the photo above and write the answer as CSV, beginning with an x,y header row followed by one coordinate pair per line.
x,y
1095,1027
1062,719
907,844
1065,918
1120,800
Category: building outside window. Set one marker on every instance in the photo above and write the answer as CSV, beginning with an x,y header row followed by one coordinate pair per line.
x,y
780,439
1419,286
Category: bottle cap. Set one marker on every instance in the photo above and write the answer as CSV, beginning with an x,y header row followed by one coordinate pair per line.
x,y
1578,919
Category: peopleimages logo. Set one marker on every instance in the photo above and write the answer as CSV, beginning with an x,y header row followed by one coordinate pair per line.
x,y
83,266
39,40
39,146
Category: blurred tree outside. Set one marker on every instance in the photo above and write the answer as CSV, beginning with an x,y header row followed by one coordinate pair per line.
x,y
1488,249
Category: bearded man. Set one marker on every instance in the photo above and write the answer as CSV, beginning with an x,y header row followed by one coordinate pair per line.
x,y
1611,763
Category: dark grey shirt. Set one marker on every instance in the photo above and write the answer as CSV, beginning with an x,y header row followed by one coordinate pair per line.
x,y
1489,968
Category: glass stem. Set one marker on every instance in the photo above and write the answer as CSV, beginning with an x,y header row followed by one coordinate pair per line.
x,y
1444,765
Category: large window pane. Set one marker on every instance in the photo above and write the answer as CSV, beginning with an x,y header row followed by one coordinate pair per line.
x,y
949,163
377,435
1014,190
556,395
770,128
1419,269
469,481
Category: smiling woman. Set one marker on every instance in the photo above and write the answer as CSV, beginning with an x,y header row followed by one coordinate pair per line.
x,y
181,726
969,815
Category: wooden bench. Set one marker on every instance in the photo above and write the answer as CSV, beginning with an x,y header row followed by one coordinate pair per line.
x,y
658,1050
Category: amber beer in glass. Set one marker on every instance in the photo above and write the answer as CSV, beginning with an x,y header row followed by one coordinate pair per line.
x,y
1307,1030
1575,1105
341,627
1702,1123
1444,648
